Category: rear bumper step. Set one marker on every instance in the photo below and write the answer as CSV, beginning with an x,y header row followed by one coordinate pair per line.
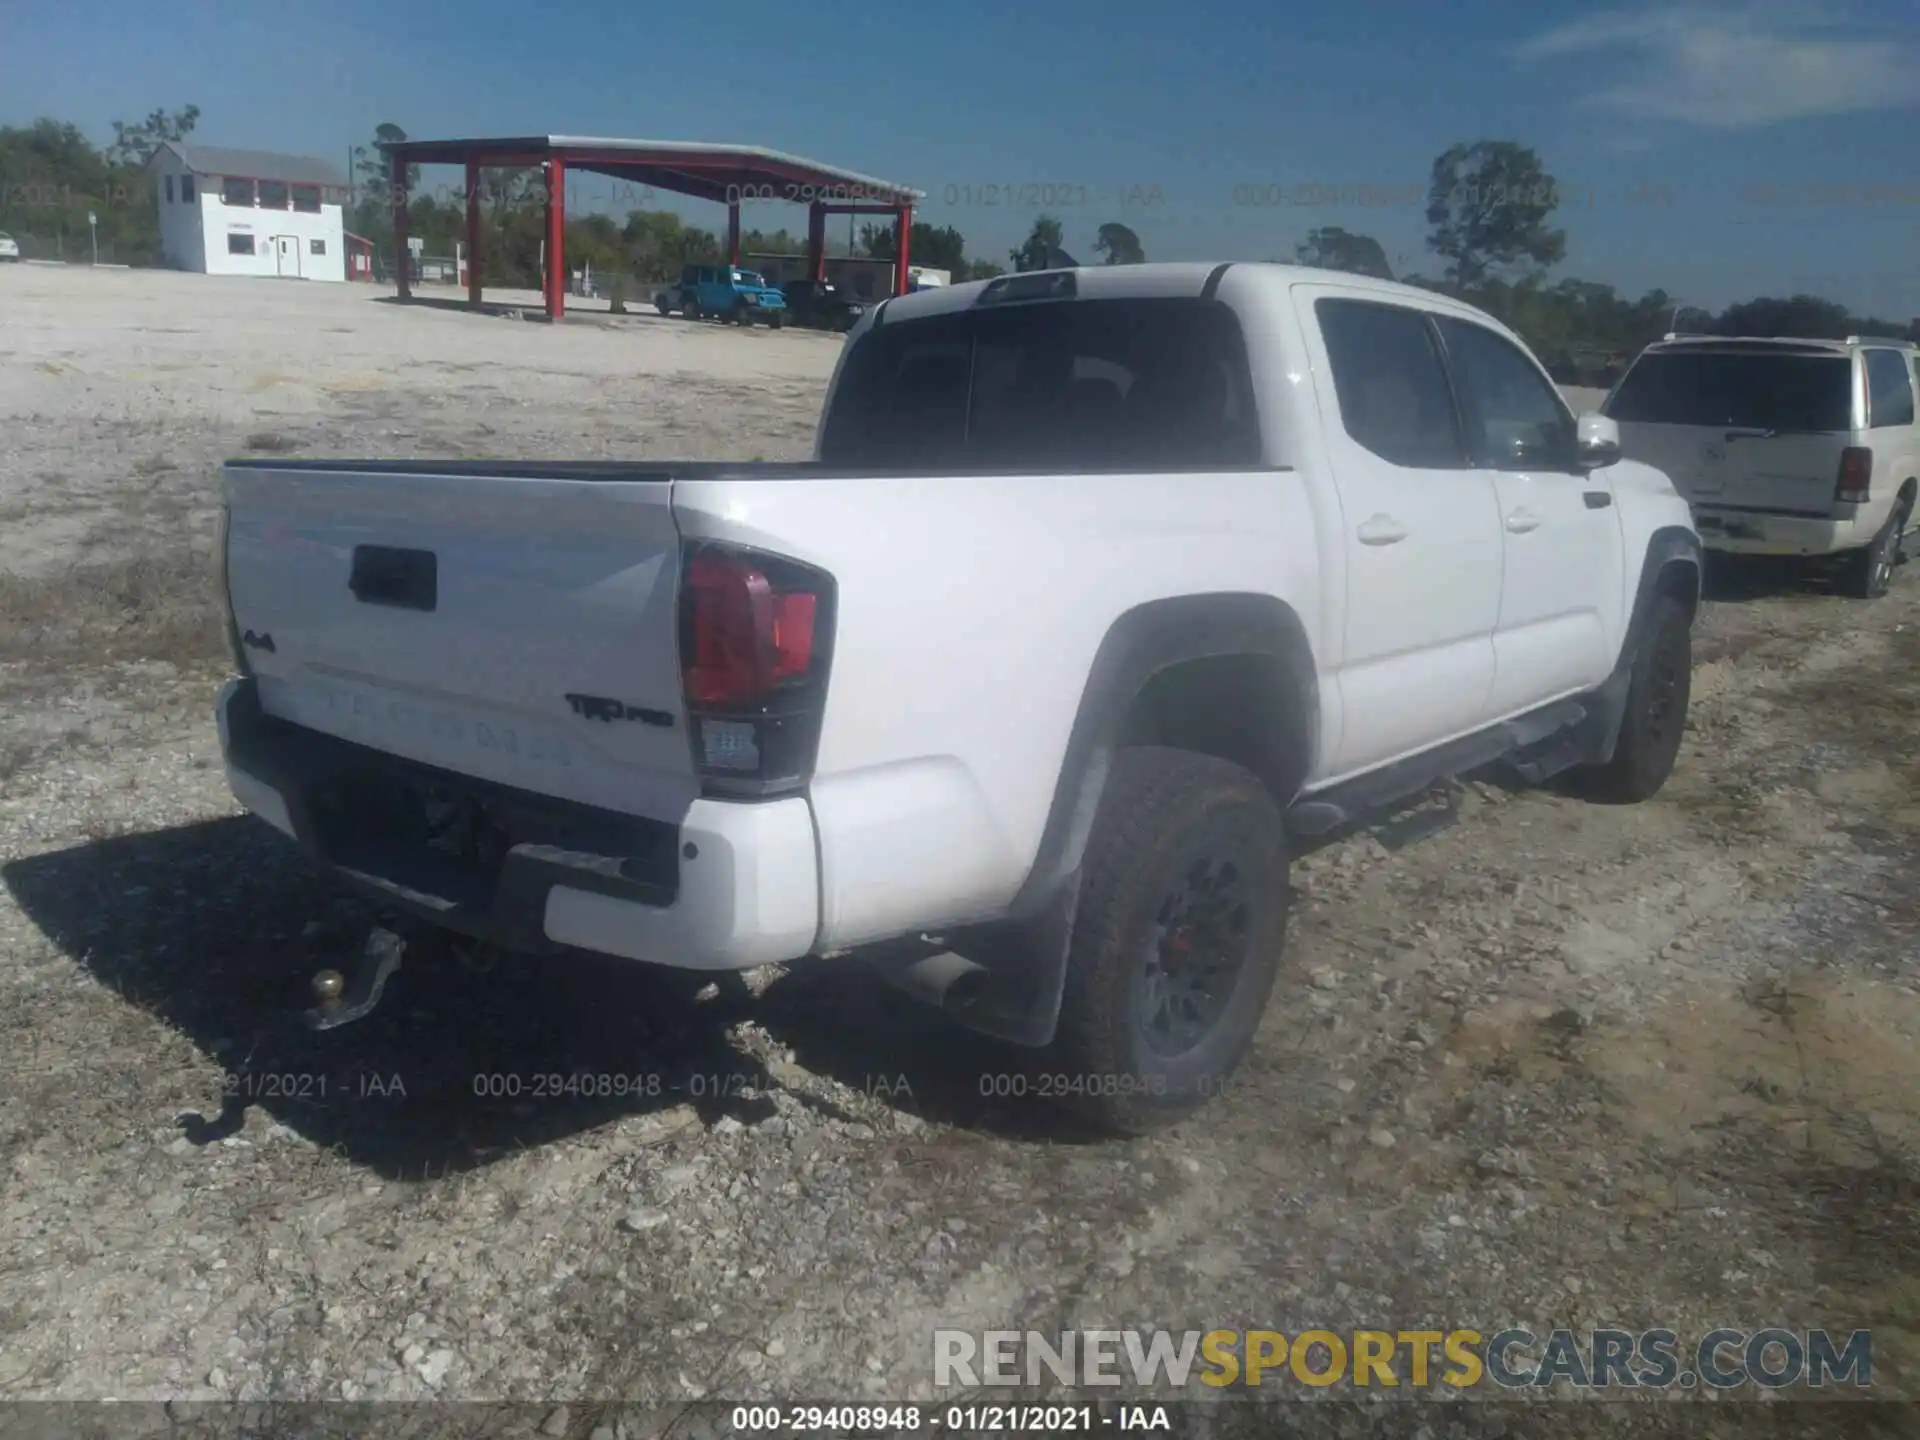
x,y
726,887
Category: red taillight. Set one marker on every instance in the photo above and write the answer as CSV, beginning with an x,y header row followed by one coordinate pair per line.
x,y
793,633
745,633
756,632
728,659
1856,475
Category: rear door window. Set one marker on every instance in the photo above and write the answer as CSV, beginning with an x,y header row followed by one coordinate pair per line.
x,y
1391,383
1108,384
1732,389
1889,389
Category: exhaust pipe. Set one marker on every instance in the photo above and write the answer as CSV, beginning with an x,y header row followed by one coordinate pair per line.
x,y
931,975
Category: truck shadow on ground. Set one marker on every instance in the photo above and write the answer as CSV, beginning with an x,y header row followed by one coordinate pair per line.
x,y
1737,578
217,927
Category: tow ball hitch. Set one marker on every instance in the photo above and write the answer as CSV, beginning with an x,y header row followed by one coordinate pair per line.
x,y
341,999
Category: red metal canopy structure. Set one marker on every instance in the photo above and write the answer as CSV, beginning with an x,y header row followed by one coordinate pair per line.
x,y
726,174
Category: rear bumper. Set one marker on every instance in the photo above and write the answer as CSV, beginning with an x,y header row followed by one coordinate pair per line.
x,y
1743,532
725,887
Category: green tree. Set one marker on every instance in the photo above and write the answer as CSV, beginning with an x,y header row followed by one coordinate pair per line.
x,y
1332,248
779,242
1119,245
1805,316
937,247
133,145
52,177
1489,204
373,169
982,270
1037,249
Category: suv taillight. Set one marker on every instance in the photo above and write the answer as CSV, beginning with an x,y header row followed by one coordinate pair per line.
x,y
1856,475
755,635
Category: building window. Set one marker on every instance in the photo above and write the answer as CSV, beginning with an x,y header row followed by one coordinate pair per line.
x,y
317,247
169,183
186,189
240,244
307,198
235,191
273,194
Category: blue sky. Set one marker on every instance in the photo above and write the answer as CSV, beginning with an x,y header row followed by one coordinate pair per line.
x,y
1720,151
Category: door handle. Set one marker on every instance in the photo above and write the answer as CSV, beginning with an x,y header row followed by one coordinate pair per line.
x,y
1521,521
1597,499
1382,530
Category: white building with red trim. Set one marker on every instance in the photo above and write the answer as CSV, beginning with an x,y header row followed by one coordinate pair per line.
x,y
249,212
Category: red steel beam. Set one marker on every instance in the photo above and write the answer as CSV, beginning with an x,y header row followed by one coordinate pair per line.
x,y
556,238
733,233
817,243
902,234
473,233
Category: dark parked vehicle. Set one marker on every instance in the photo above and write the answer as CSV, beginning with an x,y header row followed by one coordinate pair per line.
x,y
822,305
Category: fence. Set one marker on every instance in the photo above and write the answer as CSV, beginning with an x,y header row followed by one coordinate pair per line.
x,y
78,249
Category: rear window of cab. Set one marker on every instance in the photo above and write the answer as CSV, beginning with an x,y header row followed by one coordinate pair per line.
x,y
1158,383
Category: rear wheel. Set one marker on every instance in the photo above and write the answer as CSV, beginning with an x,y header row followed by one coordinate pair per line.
x,y
1656,713
1869,573
1176,941
693,308
778,320
660,303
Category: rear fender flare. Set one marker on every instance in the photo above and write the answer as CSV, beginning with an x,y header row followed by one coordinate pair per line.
x,y
1140,644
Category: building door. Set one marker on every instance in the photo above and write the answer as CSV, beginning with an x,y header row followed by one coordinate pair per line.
x,y
286,254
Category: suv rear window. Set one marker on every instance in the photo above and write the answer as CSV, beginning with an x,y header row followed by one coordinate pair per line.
x,y
1721,388
1116,384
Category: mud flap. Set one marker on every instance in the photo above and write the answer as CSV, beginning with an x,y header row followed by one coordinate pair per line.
x,y
1004,980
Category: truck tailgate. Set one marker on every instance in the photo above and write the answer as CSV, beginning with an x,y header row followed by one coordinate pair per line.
x,y
492,620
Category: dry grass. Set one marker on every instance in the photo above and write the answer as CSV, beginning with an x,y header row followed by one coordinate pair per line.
x,y
160,605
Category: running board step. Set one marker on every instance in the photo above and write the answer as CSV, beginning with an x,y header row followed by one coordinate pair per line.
x,y
1381,790
1440,813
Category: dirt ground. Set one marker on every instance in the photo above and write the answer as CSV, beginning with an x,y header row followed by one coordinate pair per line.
x,y
1560,1064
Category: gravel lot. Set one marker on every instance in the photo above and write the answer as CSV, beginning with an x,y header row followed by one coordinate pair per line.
x,y
1559,1065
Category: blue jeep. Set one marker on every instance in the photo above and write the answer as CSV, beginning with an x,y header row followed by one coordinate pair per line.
x,y
726,293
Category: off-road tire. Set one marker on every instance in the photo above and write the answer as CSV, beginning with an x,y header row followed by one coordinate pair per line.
x,y
692,310
1868,574
1165,815
1655,719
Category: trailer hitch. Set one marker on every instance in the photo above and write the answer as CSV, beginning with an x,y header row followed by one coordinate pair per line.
x,y
340,1000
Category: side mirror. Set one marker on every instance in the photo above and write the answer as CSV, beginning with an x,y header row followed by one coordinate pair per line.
x,y
1598,441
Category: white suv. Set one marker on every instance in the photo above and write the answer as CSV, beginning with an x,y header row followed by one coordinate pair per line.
x,y
9,247
1783,446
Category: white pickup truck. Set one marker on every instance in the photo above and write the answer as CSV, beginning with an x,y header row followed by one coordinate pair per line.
x,y
1105,590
